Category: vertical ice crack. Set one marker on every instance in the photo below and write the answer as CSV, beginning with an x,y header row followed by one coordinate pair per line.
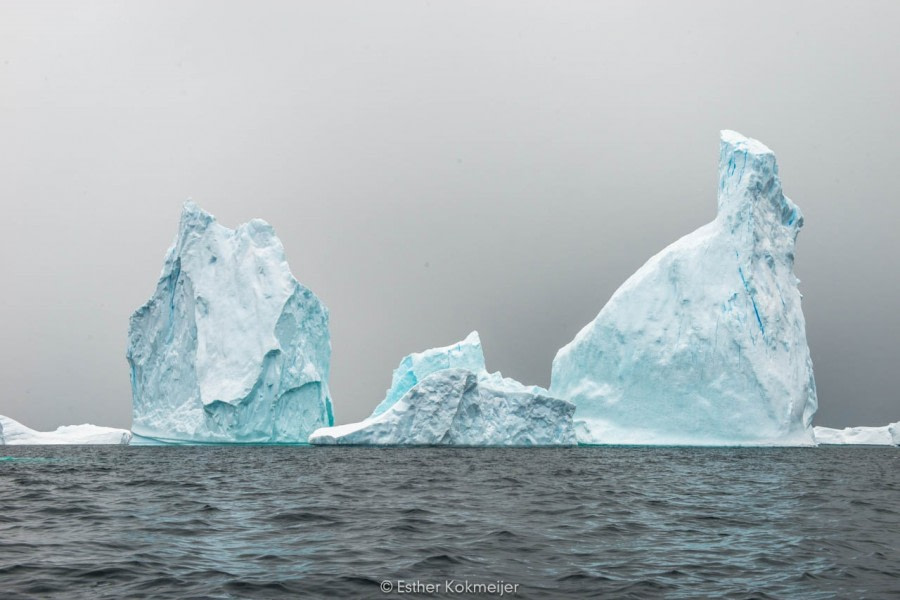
x,y
752,301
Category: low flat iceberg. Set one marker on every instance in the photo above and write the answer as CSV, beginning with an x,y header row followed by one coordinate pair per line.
x,y
706,343
886,435
230,348
445,396
14,433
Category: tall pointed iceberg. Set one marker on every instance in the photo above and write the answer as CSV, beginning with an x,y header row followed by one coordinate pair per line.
x,y
706,343
230,348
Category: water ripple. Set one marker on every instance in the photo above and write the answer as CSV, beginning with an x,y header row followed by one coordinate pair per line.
x,y
256,522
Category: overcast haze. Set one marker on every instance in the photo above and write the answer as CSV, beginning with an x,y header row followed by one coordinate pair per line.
x,y
433,168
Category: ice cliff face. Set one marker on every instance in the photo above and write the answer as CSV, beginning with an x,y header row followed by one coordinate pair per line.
x,y
230,348
444,396
887,435
706,343
14,433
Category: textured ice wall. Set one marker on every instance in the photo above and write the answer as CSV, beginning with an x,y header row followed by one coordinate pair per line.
x,y
706,343
444,396
230,348
14,433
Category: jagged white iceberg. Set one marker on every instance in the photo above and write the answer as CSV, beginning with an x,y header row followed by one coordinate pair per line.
x,y
445,396
414,367
887,435
14,433
706,343
230,348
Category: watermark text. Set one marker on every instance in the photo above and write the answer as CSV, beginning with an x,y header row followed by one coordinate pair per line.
x,y
450,586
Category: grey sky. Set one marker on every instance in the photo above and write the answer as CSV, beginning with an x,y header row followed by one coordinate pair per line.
x,y
433,168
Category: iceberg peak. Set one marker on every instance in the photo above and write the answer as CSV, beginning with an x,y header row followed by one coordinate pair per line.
x,y
742,143
194,218
750,199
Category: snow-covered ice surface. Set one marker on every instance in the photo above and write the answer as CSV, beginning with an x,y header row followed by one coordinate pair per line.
x,y
445,396
706,343
14,433
230,348
887,435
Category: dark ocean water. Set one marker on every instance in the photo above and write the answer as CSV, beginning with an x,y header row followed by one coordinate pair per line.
x,y
258,522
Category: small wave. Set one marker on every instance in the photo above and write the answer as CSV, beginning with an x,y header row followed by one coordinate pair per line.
x,y
582,577
302,517
438,561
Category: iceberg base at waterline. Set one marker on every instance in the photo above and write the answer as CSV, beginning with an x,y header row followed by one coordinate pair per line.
x,y
14,433
145,440
598,432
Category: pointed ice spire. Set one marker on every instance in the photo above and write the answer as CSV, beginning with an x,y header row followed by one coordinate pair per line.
x,y
751,203
194,218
